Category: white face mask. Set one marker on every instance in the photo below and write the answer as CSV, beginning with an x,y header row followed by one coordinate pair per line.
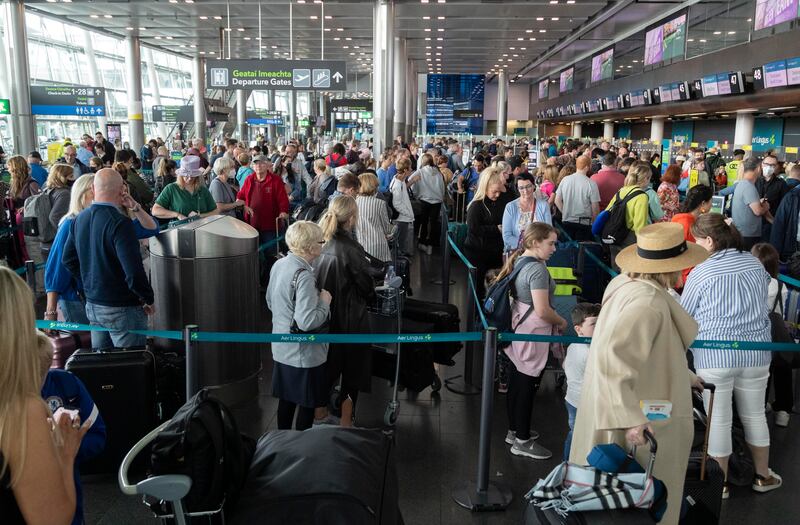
x,y
768,171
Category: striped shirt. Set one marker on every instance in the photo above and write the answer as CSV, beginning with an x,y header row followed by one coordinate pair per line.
x,y
727,296
373,226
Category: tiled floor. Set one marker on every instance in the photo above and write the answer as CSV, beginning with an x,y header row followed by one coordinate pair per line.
x,y
437,449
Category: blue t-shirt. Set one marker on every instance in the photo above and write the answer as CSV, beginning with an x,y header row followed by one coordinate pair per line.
x,y
39,174
383,179
552,151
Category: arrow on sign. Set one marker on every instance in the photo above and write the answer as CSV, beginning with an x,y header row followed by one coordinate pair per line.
x,y
337,77
3,107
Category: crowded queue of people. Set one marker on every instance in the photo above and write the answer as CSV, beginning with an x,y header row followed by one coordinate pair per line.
x,y
367,213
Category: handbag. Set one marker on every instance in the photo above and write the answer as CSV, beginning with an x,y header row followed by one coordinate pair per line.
x,y
294,329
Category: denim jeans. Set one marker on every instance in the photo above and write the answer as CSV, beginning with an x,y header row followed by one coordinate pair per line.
x,y
119,319
73,311
571,413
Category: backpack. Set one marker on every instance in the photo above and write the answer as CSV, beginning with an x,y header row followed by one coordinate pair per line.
x,y
388,198
497,306
36,213
615,230
203,442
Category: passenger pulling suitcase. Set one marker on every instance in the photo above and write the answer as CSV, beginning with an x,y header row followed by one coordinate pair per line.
x,y
123,386
331,475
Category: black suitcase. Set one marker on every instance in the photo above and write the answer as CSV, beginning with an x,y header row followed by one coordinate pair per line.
x,y
702,489
403,270
123,386
331,475
591,277
416,362
445,319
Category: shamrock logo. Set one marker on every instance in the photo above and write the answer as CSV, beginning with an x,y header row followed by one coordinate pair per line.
x,y
311,337
735,345
429,337
195,336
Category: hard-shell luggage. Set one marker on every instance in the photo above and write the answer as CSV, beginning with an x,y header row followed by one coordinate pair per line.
x,y
702,490
445,319
591,277
66,343
123,386
347,475
416,361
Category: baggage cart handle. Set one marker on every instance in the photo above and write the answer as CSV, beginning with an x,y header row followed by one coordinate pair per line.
x,y
651,439
168,487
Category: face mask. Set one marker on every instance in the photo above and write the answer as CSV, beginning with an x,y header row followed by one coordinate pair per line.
x,y
768,170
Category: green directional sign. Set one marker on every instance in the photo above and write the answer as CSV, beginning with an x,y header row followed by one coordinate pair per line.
x,y
5,106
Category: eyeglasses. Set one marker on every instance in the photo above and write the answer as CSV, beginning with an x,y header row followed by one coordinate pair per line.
x,y
525,187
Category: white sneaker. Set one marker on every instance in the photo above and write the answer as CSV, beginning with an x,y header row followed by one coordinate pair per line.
x,y
512,435
782,418
530,449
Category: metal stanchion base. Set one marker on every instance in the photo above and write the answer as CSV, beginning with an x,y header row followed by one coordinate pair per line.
x,y
458,385
497,497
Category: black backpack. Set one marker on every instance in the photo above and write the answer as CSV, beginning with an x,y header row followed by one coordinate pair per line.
x,y
616,228
203,442
497,306
388,198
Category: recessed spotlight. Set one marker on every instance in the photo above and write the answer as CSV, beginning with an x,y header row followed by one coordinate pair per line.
x,y
328,17
427,29
553,1
129,28
240,29
201,52
327,29
169,38
247,38
520,38
274,47
703,40
428,54
717,32
94,16
635,61
345,47
439,39
340,29
336,38
690,39
158,38
529,30
731,32
193,46
570,1
426,18
438,47
543,30
749,19
554,19
441,30
313,17
532,39
191,2
427,47
203,18
440,18
217,18
347,38
427,39
173,1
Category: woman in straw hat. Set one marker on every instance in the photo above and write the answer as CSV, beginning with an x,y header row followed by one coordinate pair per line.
x,y
638,353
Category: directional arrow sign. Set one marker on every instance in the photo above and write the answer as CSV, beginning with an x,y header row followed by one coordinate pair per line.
x,y
5,106
283,75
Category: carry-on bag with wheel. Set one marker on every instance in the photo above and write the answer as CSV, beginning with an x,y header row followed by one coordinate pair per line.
x,y
123,386
445,319
702,490
587,494
331,475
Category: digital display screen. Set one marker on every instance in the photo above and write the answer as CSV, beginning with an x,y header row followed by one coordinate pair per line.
x,y
543,89
775,74
710,87
793,71
566,80
452,100
665,41
666,93
774,12
603,66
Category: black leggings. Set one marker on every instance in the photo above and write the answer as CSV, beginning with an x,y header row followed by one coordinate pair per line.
x,y
519,400
305,416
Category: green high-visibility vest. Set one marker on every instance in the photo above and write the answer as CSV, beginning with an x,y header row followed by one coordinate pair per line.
x,y
732,170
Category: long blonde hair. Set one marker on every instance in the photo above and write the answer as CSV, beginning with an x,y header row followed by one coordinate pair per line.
x,y
489,176
20,173
535,232
638,174
59,175
21,372
79,189
340,212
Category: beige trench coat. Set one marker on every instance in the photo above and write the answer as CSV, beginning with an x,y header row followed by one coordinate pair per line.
x,y
638,352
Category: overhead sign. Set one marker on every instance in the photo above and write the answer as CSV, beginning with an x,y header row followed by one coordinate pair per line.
x,y
67,100
342,105
467,113
767,134
304,123
5,106
173,113
285,75
365,115
264,117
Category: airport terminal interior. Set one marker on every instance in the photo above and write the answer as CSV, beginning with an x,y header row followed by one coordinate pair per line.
x,y
373,242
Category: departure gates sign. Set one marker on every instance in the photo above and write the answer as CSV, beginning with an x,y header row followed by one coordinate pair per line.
x,y
301,75
68,100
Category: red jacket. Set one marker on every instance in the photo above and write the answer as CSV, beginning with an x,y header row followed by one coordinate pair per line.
x,y
267,198
334,160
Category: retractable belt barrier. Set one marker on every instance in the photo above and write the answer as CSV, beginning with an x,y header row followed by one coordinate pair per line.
x,y
433,338
469,279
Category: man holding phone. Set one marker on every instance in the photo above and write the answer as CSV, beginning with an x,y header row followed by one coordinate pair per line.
x,y
748,208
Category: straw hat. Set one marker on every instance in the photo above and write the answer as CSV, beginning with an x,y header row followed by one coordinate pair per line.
x,y
660,248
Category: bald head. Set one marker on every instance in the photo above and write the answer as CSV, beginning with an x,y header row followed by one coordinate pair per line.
x,y
108,186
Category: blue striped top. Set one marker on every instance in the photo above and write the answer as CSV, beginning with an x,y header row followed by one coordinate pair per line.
x,y
727,296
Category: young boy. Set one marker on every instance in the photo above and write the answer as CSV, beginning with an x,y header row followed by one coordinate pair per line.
x,y
63,391
584,317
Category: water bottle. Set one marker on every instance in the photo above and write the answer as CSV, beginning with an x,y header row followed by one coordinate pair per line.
x,y
388,299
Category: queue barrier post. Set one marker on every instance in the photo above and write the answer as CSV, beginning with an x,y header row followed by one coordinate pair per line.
x,y
463,384
484,495
190,345
30,274
444,278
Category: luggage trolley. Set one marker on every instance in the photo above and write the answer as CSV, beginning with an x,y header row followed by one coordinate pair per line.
x,y
169,488
388,308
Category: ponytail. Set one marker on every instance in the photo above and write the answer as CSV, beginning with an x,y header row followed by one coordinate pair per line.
x,y
508,267
340,211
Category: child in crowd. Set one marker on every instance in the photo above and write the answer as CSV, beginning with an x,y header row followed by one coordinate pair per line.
x,y
63,391
584,317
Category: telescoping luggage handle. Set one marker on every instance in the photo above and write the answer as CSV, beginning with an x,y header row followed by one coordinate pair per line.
x,y
651,439
712,388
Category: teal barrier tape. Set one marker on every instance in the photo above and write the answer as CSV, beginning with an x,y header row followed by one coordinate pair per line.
x,y
233,337
12,229
77,327
601,264
699,344
22,270
788,280
478,304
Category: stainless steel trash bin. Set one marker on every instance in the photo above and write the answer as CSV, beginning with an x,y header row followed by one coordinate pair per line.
x,y
205,272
